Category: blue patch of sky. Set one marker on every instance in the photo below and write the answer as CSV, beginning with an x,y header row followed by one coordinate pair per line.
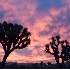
x,y
37,47
68,16
43,33
47,4
24,51
61,19
2,13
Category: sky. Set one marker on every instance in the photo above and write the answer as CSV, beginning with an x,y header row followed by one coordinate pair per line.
x,y
44,19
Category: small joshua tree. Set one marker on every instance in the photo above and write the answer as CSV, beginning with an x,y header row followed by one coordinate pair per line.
x,y
41,63
13,36
65,52
49,64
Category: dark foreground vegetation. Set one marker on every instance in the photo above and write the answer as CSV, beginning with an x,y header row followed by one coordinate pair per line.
x,y
14,36
14,65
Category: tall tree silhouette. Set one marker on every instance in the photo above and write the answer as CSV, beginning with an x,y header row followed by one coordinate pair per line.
x,y
65,50
13,36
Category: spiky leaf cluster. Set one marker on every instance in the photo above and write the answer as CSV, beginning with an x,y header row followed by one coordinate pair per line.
x,y
65,53
13,36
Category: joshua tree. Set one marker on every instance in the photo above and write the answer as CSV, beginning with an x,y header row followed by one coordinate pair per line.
x,y
49,64
65,52
13,36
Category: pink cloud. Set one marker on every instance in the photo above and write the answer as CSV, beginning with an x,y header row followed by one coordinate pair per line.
x,y
67,3
55,12
17,11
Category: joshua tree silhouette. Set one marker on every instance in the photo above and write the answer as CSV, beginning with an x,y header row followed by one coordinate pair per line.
x,y
13,36
49,64
65,52
41,63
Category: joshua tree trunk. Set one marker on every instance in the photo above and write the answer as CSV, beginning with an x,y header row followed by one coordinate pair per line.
x,y
57,60
62,65
4,60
